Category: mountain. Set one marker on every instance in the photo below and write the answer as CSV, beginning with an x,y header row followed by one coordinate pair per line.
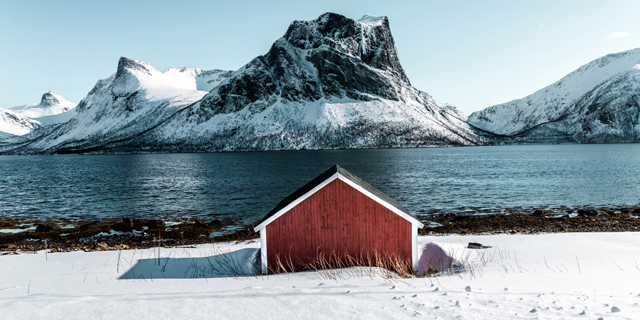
x,y
597,103
328,83
53,108
22,120
134,99
15,124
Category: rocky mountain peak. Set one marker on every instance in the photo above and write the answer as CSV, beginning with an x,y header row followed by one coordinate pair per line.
x,y
126,65
331,57
368,39
51,98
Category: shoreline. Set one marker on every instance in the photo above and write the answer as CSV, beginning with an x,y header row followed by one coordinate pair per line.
x,y
66,235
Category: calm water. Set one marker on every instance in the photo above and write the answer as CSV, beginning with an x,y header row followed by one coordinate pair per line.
x,y
250,184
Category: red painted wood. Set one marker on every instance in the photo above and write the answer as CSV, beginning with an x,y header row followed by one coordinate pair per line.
x,y
336,219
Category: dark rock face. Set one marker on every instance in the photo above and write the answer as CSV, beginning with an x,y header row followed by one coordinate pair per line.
x,y
48,99
538,213
156,224
587,213
332,56
125,64
46,227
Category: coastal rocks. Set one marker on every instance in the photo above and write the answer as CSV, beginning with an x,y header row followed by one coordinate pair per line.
x,y
101,246
100,235
89,225
125,226
47,227
586,219
121,247
587,213
538,213
156,224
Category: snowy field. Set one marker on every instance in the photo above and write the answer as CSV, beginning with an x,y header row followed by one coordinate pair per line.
x,y
546,276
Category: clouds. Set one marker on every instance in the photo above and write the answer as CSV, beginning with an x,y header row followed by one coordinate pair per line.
x,y
617,35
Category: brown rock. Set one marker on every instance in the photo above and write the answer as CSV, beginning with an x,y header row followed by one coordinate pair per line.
x,y
121,247
101,246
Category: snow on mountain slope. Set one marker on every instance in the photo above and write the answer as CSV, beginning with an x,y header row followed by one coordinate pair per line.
x,y
134,99
563,98
332,82
21,120
15,124
610,112
50,104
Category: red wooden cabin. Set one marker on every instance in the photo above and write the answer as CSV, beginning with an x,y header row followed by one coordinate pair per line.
x,y
336,214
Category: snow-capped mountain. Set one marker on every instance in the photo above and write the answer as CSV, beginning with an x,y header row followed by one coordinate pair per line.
x,y
333,82
599,102
51,104
135,99
22,120
15,124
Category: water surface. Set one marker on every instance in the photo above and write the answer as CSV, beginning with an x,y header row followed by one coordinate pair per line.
x,y
250,184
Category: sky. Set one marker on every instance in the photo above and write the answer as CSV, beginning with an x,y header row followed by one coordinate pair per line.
x,y
472,54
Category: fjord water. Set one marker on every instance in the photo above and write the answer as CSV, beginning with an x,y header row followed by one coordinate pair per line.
x,y
248,185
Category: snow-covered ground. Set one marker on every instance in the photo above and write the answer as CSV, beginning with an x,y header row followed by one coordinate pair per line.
x,y
545,276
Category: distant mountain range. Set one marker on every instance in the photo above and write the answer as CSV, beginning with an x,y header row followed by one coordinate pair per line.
x,y
328,83
21,120
597,103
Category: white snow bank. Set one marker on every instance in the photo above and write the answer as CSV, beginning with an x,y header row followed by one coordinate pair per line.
x,y
560,276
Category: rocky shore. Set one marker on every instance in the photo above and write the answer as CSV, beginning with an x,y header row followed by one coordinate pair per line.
x,y
589,219
111,234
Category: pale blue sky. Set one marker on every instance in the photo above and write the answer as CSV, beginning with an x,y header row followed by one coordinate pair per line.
x,y
472,54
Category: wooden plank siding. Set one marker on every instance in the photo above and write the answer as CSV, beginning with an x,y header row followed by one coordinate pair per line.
x,y
337,220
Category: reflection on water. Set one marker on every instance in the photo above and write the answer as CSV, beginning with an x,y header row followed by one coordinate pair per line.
x,y
250,184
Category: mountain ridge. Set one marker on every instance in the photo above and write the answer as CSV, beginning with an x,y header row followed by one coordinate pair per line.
x,y
576,108
328,83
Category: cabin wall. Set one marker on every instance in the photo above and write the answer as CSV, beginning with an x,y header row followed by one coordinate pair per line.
x,y
336,219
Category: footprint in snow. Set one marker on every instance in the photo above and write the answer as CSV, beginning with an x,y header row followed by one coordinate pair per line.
x,y
415,295
436,289
615,309
393,288
467,289
534,310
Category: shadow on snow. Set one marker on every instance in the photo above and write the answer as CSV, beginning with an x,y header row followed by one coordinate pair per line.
x,y
239,263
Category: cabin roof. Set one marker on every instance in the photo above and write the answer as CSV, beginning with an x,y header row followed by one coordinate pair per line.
x,y
334,172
